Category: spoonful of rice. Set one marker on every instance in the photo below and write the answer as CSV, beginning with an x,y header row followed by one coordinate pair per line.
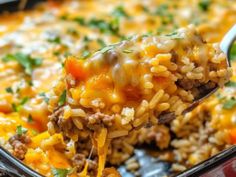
x,y
144,80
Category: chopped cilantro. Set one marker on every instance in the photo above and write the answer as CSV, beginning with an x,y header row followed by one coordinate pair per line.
x,y
26,61
161,10
45,98
231,84
145,9
18,107
204,4
62,98
174,35
56,40
21,130
120,12
14,107
64,17
59,172
101,42
86,39
85,54
229,104
30,119
107,48
72,31
233,52
80,20
9,90
103,26
34,132
24,100
127,51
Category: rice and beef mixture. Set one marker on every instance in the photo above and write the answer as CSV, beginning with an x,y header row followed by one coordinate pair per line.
x,y
131,84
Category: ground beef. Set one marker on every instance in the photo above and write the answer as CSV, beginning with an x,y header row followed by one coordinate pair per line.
x,y
56,114
18,143
79,161
159,134
95,121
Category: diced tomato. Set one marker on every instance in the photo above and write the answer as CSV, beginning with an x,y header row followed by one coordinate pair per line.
x,y
233,135
76,68
132,93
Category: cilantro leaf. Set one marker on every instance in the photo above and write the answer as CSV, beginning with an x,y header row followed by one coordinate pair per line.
x,y
56,40
233,52
26,61
120,12
21,130
231,84
46,99
85,54
204,4
18,107
9,90
174,35
101,42
107,48
103,26
62,98
80,20
229,104
59,172
127,51
30,119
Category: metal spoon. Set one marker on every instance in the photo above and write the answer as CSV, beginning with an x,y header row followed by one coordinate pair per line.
x,y
225,46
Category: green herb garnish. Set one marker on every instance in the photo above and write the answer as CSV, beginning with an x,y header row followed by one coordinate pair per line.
x,y
204,4
9,90
101,42
120,12
59,172
107,48
56,40
30,119
233,52
85,54
21,130
174,35
18,107
62,98
72,31
80,20
229,104
111,27
26,61
127,51
45,98
231,84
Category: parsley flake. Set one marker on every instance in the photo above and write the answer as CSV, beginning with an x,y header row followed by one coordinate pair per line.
x,y
229,104
231,84
9,90
204,5
26,61
62,98
59,172
233,52
120,12
21,130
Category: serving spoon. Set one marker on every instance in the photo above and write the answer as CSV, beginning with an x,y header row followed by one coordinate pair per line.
x,y
13,167
225,46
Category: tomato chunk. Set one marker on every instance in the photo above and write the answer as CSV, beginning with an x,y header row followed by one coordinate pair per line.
x,y
76,68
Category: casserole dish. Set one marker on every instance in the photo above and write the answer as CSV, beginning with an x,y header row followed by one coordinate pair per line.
x,y
165,165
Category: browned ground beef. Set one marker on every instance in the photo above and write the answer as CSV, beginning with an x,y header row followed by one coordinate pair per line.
x,y
18,143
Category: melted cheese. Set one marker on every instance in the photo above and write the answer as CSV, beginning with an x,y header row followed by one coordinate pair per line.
x,y
29,31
